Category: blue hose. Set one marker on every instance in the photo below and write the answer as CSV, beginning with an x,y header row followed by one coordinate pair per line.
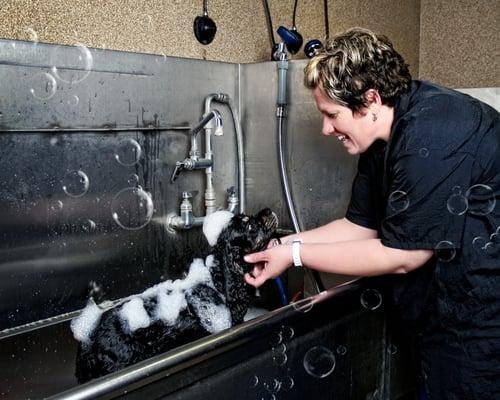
x,y
281,289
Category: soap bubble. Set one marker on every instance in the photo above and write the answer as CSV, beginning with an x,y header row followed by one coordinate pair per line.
x,y
491,248
78,65
254,381
478,243
75,183
89,226
132,208
279,359
423,152
56,206
457,203
287,333
287,383
271,384
481,199
392,349
133,180
319,362
73,100
128,152
275,339
33,36
42,86
399,201
341,350
279,349
445,251
371,299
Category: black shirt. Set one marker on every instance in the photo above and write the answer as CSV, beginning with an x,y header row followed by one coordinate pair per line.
x,y
436,185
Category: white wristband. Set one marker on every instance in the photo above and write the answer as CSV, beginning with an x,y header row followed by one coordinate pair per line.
x,y
297,261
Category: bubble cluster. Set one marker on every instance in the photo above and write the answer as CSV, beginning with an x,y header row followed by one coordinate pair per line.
x,y
132,208
371,299
319,362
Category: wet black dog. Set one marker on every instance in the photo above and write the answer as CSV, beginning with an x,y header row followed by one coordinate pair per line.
x,y
213,296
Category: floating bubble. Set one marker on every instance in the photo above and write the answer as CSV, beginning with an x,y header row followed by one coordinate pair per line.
x,y
371,299
272,385
457,204
42,86
254,381
33,36
319,362
478,243
287,383
133,180
481,199
423,152
279,349
75,183
491,248
280,359
275,339
445,251
392,349
287,333
304,305
268,396
456,190
89,226
132,208
73,100
53,141
341,350
128,152
77,66
495,237
56,205
399,201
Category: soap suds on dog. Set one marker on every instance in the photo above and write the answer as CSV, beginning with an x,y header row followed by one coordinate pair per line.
x,y
134,315
86,322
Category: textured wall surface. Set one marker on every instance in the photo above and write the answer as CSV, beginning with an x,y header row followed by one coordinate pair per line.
x,y
460,42
166,27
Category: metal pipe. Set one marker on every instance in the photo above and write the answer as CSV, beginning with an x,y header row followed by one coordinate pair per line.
x,y
225,99
106,129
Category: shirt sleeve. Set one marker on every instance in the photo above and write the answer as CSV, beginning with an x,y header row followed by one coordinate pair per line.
x,y
362,209
428,173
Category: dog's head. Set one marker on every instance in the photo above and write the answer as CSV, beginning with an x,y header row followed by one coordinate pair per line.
x,y
243,234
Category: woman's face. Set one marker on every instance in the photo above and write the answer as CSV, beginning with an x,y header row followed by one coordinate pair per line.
x,y
355,130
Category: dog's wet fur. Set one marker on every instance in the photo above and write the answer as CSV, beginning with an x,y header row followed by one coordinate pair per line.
x,y
111,346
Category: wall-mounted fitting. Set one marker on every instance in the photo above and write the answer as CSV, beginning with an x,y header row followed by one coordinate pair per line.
x,y
186,219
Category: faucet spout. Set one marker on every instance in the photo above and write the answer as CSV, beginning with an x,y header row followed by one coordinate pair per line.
x,y
193,153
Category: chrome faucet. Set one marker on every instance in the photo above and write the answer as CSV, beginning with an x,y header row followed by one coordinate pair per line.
x,y
193,161
186,220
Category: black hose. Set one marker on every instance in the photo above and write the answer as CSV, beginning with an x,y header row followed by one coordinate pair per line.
x,y
294,14
269,24
327,24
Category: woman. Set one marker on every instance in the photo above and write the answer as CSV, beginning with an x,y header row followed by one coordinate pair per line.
x,y
424,208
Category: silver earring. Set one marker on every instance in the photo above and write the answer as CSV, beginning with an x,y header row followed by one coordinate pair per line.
x,y
374,117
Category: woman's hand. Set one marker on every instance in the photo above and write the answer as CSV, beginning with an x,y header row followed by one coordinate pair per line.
x,y
269,263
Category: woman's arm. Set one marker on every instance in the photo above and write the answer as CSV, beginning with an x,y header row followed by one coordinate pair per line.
x,y
365,257
339,230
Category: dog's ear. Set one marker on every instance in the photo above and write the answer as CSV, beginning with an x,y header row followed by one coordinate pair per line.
x,y
214,224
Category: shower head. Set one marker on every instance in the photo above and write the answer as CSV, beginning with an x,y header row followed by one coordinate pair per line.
x,y
292,38
204,27
312,47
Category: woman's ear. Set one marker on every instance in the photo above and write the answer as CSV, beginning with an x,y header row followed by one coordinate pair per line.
x,y
372,97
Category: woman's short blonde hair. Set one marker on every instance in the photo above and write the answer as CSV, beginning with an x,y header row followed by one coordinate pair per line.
x,y
355,61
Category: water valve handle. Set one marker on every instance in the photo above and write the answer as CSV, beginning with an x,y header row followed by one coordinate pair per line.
x,y
179,167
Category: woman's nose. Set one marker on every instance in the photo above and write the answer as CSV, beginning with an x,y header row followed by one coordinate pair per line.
x,y
328,128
